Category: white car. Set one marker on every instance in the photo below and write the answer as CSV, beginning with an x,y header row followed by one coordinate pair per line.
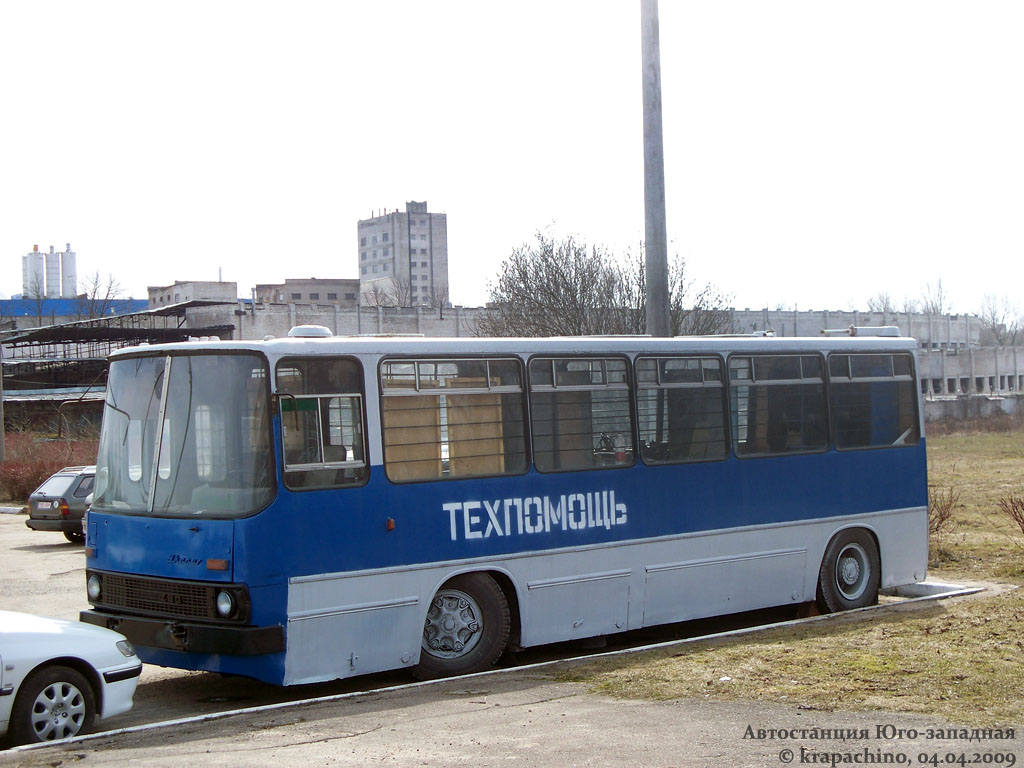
x,y
57,677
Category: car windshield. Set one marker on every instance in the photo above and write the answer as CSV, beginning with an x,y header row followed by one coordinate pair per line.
x,y
186,435
55,486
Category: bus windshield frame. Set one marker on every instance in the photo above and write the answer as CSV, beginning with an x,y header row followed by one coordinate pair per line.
x,y
213,456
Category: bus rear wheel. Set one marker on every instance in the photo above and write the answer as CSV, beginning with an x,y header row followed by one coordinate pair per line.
x,y
849,573
466,628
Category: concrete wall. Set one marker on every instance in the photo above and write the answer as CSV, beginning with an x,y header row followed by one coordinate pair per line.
x,y
933,331
950,334
277,319
972,407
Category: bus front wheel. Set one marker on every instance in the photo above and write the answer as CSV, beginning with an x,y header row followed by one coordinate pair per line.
x,y
849,573
466,628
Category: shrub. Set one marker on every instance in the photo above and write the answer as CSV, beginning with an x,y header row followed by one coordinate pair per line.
x,y
941,504
1013,508
30,459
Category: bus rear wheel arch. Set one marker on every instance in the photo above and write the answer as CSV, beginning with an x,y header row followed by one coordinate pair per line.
x,y
466,628
850,572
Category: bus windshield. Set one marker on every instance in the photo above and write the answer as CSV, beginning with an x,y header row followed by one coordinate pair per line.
x,y
186,435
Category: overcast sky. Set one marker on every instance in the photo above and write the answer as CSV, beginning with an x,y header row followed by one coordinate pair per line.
x,y
817,153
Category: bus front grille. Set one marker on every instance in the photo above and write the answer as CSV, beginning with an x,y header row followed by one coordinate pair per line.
x,y
160,597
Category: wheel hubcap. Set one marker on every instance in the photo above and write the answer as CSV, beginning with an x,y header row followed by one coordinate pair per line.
x,y
453,625
58,712
852,571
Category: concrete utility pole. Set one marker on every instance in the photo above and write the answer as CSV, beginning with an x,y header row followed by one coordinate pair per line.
x,y
659,321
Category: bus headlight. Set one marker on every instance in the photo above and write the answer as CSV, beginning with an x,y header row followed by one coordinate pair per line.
x,y
225,604
93,587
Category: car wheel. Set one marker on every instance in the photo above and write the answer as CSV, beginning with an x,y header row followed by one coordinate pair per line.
x,y
74,537
53,702
466,628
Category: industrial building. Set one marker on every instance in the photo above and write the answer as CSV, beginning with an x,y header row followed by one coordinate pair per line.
x,y
311,290
191,290
52,275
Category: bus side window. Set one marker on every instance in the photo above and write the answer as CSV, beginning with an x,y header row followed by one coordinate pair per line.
x,y
582,418
447,418
680,409
777,404
873,400
322,422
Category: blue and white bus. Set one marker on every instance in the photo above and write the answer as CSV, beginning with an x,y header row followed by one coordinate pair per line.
x,y
314,507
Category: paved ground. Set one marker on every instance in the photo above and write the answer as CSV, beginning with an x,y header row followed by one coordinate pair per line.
x,y
515,717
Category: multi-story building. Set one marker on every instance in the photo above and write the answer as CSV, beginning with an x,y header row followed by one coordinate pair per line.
x,y
309,291
403,258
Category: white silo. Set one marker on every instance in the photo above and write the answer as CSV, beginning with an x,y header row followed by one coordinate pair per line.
x,y
52,275
33,281
69,274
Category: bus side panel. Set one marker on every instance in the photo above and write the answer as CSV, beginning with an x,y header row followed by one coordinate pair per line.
x,y
339,627
903,545
577,604
698,587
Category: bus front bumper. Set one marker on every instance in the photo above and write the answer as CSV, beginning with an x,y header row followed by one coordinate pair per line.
x,y
190,637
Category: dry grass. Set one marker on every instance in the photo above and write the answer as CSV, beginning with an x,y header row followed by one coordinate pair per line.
x,y
961,659
984,467
958,661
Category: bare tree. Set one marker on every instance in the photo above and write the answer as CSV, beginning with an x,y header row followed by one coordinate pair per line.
x,y
934,300
36,296
437,298
910,305
701,313
693,311
99,297
400,292
378,296
551,289
882,302
1001,322
566,288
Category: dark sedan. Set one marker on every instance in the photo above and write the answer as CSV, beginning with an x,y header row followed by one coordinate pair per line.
x,y
59,503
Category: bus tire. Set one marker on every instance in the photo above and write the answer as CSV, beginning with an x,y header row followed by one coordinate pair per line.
x,y
466,628
849,573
